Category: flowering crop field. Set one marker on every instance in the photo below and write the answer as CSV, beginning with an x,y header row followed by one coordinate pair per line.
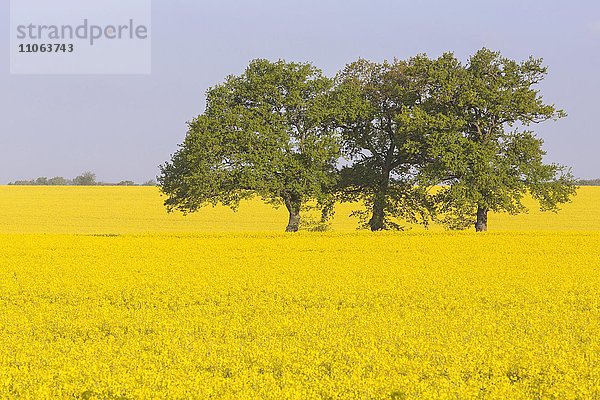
x,y
139,210
104,296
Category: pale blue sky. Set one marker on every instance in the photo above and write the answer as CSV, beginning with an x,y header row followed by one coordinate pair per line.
x,y
123,127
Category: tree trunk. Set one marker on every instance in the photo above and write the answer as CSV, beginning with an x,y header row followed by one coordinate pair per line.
x,y
293,203
377,221
482,219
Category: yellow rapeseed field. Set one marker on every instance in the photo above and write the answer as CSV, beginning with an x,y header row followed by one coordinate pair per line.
x,y
105,296
139,210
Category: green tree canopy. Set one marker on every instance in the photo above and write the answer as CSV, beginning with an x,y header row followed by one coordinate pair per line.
x,y
262,132
383,146
58,181
383,134
493,159
86,179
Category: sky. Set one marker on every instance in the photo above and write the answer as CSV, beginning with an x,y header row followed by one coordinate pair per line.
x,y
124,126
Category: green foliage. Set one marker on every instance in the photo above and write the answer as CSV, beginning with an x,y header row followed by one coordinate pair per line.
x,y
381,133
491,160
207,169
263,132
376,109
588,182
86,179
58,181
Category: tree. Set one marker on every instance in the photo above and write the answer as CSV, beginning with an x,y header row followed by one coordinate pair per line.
x,y
58,181
126,183
41,181
382,140
493,159
263,132
85,179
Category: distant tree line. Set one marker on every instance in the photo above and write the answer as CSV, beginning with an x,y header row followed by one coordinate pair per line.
x,y
588,182
85,179
417,140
